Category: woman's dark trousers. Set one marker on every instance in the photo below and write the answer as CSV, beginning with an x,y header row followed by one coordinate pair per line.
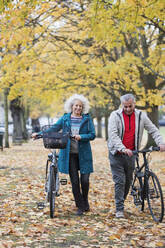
x,y
80,193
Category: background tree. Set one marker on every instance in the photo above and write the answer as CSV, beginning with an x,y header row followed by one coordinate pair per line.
x,y
105,48
134,32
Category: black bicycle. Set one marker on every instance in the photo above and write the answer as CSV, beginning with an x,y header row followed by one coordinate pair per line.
x,y
53,141
146,186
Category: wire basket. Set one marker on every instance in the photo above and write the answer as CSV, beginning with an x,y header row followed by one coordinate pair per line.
x,y
54,140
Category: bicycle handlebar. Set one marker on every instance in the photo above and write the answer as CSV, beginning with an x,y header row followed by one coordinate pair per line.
x,y
40,136
150,149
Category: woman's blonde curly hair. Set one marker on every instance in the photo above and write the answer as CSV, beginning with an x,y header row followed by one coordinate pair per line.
x,y
69,103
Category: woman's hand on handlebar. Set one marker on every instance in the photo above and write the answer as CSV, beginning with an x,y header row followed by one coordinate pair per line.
x,y
77,137
34,135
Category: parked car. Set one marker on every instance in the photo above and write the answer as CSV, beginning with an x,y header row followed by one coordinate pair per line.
x,y
10,128
161,123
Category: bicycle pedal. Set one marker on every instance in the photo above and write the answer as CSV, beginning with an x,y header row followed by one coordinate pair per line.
x,y
40,205
63,181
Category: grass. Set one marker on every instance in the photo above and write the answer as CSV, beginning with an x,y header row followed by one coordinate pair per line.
x,y
162,131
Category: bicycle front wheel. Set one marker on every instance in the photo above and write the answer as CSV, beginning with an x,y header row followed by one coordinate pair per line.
x,y
155,197
52,191
137,192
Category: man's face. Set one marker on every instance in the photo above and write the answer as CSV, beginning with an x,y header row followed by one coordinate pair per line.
x,y
128,107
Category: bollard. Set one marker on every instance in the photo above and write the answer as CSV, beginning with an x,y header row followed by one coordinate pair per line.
x,y
1,140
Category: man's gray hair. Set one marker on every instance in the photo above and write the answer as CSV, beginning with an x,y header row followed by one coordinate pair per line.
x,y
127,97
69,103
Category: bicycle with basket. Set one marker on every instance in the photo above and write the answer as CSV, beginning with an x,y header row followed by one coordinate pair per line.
x,y
53,141
146,186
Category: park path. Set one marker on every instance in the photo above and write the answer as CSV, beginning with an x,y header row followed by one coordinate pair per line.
x,y
22,224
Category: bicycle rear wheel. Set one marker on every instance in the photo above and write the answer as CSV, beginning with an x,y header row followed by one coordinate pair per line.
x,y
155,197
52,191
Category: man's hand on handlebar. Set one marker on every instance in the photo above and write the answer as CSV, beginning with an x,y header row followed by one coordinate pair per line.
x,y
127,152
131,153
162,147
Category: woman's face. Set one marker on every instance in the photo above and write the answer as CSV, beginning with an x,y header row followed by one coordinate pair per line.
x,y
77,108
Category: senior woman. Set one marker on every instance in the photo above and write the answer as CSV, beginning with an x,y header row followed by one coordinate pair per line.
x,y
76,158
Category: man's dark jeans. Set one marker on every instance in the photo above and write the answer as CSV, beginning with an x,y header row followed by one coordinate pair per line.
x,y
80,193
122,167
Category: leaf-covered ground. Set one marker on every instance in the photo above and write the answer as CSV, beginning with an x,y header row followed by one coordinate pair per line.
x,y
22,224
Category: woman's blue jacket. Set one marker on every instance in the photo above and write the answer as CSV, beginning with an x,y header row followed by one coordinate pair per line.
x,y
87,133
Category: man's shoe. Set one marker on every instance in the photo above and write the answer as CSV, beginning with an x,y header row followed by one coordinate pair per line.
x,y
119,214
79,212
87,209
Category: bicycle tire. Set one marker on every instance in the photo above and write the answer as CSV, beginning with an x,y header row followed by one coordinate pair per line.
x,y
52,191
155,197
137,192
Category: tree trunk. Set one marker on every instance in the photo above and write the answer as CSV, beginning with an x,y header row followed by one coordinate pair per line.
x,y
99,127
153,115
6,92
24,129
16,111
48,116
35,125
106,127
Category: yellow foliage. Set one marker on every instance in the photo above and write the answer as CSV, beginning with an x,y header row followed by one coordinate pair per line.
x,y
89,52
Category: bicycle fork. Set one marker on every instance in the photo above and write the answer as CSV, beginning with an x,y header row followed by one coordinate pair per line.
x,y
63,181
